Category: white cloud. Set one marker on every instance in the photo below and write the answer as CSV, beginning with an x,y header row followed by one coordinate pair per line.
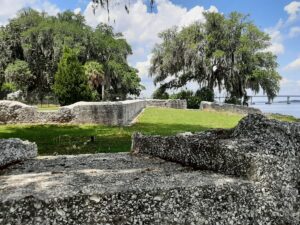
x,y
295,65
298,83
284,82
45,6
9,8
294,32
143,67
141,27
77,10
293,10
277,46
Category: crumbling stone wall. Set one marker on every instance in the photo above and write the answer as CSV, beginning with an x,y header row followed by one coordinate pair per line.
x,y
168,103
224,107
260,150
108,113
15,112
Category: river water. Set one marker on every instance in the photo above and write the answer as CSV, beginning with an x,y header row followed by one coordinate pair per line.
x,y
292,109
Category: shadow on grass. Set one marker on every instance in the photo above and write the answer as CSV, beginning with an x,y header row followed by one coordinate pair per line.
x,y
72,139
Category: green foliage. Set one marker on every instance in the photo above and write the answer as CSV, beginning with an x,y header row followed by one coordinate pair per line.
x,y
194,99
160,94
71,84
227,52
233,100
19,74
8,87
39,40
94,71
123,79
205,94
75,139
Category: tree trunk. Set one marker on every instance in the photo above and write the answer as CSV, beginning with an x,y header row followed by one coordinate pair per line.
x,y
102,92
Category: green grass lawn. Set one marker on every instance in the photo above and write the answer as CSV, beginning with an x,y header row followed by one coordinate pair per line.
x,y
76,139
47,107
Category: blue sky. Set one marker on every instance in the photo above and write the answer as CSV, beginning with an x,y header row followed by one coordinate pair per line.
x,y
280,18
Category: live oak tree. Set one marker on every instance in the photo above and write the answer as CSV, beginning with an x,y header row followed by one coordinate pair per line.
x,y
19,75
39,39
225,52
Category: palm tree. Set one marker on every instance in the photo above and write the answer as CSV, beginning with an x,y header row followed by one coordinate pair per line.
x,y
95,73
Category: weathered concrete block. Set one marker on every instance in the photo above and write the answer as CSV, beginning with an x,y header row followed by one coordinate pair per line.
x,y
228,108
168,103
14,112
108,113
62,115
16,150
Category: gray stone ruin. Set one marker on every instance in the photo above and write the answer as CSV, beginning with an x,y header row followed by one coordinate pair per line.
x,y
247,175
232,108
109,113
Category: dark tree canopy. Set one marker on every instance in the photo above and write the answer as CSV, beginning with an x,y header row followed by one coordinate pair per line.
x,y
39,40
227,52
71,83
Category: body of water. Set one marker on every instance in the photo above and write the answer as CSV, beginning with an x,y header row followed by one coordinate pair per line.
x,y
292,109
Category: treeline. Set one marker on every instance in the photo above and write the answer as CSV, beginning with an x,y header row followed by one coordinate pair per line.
x,y
224,52
33,45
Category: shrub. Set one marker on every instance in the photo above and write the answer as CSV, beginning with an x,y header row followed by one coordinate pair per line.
x,y
194,99
160,94
205,94
71,83
233,100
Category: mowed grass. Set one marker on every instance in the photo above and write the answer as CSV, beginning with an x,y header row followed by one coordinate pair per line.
x,y
76,139
47,107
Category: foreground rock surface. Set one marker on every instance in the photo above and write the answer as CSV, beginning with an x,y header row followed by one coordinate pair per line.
x,y
248,175
16,150
265,152
126,189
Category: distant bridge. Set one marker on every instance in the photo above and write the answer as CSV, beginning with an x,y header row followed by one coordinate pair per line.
x,y
288,98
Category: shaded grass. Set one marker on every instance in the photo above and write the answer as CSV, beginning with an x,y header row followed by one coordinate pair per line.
x,y
285,118
76,139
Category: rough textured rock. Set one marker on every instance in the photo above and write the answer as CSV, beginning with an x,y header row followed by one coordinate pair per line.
x,y
260,150
168,103
124,189
15,150
228,108
108,113
15,96
62,115
14,112
248,175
